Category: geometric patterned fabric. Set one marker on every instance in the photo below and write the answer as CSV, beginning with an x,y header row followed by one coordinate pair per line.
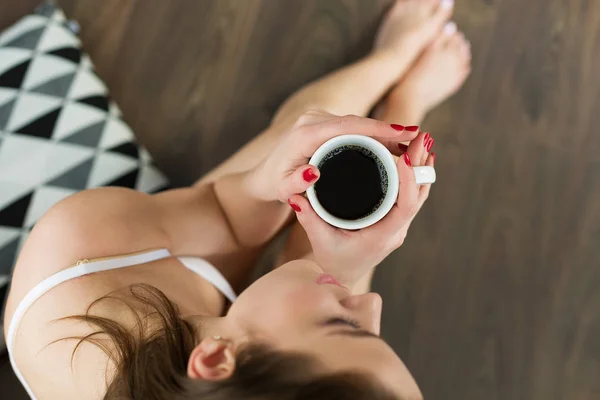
x,y
59,131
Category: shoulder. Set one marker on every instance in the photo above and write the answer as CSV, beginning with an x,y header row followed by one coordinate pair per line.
x,y
113,214
91,224
94,223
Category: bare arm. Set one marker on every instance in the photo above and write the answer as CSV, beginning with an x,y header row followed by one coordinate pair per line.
x,y
222,216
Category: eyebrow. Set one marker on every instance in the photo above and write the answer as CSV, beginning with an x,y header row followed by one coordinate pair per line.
x,y
355,333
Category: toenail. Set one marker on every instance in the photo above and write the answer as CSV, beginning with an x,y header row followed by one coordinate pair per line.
x,y
450,28
447,4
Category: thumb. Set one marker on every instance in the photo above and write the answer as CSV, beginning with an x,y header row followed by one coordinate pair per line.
x,y
316,229
298,181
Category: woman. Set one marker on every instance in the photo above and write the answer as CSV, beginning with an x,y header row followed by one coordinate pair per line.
x,y
142,313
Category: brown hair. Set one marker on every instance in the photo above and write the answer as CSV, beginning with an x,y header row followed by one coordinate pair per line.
x,y
151,361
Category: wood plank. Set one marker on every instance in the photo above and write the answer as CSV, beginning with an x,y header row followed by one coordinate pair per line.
x,y
12,11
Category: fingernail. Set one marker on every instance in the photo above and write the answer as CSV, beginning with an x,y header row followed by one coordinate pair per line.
x,y
309,175
294,206
426,140
407,159
412,128
430,144
402,147
433,156
397,127
447,4
450,28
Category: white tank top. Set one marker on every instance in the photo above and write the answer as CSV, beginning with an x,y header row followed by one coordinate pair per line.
x,y
84,267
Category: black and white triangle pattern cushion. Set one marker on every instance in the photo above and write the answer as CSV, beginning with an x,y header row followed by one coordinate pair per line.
x,y
59,131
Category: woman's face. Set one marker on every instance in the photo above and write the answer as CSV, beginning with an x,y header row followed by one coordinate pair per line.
x,y
295,308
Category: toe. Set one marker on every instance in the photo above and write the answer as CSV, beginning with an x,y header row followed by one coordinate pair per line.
x,y
456,42
443,10
446,36
450,29
466,51
461,45
396,7
425,8
428,6
432,4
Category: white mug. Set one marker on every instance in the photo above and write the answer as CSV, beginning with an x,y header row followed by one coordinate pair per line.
x,y
423,175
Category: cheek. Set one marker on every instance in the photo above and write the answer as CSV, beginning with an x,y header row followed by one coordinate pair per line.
x,y
308,299
298,308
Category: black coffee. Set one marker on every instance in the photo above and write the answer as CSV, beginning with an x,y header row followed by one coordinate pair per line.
x,y
353,182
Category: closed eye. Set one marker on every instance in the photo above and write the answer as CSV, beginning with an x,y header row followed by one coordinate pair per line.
x,y
337,321
347,322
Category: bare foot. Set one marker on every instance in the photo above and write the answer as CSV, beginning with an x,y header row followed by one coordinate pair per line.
x,y
438,73
410,26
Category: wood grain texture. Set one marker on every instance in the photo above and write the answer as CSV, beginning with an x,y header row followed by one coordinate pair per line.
x,y
495,294
11,11
197,79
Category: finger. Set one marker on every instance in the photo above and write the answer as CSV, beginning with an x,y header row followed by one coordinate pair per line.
x,y
416,149
444,11
402,148
395,147
425,189
316,229
399,148
313,117
408,189
348,125
407,205
408,197
428,143
395,222
298,181
425,154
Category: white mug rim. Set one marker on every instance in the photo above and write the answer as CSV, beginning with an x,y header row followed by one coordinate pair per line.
x,y
389,164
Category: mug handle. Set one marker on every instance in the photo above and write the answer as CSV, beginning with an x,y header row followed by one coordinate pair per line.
x,y
424,175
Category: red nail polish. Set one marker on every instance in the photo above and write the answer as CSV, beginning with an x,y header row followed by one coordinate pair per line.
x,y
426,139
403,147
309,175
397,127
294,206
433,156
430,144
407,159
413,128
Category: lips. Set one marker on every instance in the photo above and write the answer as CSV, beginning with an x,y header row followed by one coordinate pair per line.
x,y
326,279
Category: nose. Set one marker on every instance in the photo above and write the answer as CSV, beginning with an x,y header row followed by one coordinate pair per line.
x,y
366,308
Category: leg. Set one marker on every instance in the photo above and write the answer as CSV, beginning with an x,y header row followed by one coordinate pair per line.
x,y
410,26
439,73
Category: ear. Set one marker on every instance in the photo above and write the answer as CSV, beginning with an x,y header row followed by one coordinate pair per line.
x,y
212,360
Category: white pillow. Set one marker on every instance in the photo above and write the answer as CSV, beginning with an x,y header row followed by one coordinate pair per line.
x,y
59,131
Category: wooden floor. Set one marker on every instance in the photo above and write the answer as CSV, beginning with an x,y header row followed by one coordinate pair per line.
x,y
496,293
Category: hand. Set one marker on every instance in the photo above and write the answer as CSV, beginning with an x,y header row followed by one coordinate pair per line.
x,y
285,171
349,255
